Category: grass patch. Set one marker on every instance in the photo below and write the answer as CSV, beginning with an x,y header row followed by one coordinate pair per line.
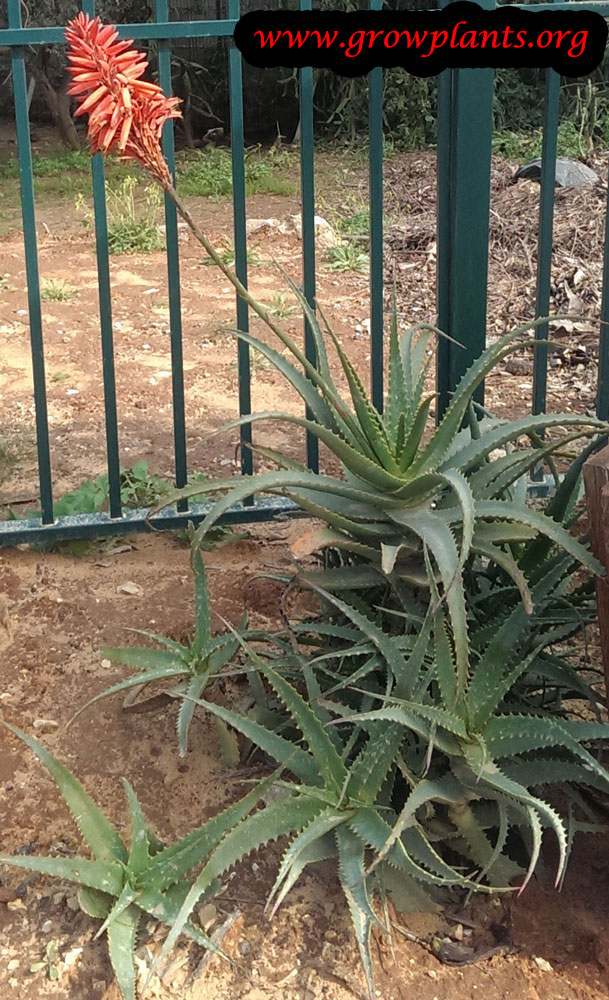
x,y
57,291
133,225
525,146
208,174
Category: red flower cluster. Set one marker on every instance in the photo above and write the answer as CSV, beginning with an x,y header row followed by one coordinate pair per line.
x,y
126,113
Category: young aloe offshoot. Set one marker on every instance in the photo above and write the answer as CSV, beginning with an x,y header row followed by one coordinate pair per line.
x,y
122,882
194,663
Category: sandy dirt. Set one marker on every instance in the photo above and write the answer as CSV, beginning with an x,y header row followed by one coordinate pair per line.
x,y
57,613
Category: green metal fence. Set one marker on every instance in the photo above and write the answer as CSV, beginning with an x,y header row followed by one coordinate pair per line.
x,y
465,104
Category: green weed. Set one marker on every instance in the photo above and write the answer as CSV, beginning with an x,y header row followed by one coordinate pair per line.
x,y
280,307
228,256
524,146
57,291
133,223
346,257
139,489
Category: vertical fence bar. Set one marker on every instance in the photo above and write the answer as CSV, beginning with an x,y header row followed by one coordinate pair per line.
x,y
235,70
602,389
463,219
443,201
105,321
28,212
307,187
173,273
375,167
544,245
463,263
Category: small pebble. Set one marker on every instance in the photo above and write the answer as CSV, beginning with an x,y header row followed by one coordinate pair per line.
x,y
47,926
244,948
543,964
207,915
45,724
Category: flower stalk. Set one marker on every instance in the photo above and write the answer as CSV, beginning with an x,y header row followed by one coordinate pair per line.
x,y
127,115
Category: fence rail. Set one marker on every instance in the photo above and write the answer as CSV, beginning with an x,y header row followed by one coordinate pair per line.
x,y
465,104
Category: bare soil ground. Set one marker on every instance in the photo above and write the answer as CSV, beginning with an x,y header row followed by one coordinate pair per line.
x,y
56,612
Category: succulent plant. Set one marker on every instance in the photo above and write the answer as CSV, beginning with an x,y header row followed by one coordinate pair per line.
x,y
193,664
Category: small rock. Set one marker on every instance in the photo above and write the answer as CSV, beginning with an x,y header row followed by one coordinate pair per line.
x,y
519,366
45,724
207,915
458,932
72,956
542,963
47,927
13,964
244,947
130,588
432,973
151,291
324,234
106,664
569,173
260,225
72,903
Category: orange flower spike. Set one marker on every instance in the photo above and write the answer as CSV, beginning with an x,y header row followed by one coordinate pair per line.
x,y
126,113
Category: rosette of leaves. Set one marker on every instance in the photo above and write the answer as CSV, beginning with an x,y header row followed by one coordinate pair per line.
x,y
560,614
338,647
123,881
403,491
432,768
473,738
193,664
337,806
